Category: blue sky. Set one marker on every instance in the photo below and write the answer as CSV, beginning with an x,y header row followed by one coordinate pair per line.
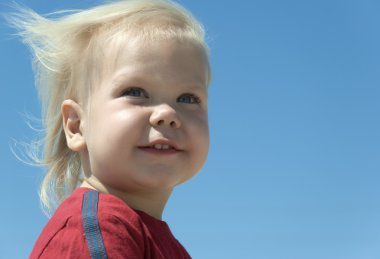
x,y
294,165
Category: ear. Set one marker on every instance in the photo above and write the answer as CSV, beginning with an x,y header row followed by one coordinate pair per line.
x,y
72,115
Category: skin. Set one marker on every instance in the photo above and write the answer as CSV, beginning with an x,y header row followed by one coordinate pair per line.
x,y
151,93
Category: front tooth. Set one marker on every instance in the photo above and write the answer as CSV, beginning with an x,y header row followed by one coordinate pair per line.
x,y
157,146
165,146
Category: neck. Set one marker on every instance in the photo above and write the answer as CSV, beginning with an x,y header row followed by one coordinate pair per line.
x,y
152,203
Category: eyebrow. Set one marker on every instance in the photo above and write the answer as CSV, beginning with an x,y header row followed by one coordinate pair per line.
x,y
124,76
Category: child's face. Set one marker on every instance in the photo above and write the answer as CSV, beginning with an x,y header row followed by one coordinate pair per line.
x,y
147,127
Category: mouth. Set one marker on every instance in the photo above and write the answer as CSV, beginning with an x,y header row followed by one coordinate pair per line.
x,y
161,147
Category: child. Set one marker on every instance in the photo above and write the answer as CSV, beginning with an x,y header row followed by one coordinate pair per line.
x,y
124,96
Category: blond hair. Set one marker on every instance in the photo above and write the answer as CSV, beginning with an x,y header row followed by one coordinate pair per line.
x,y
65,50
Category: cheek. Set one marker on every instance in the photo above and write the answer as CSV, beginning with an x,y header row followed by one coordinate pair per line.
x,y
111,130
115,116
112,137
200,136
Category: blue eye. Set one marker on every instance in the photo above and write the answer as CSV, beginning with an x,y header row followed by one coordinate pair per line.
x,y
188,98
135,92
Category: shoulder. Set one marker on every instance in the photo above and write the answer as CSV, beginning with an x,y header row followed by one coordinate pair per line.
x,y
89,218
119,227
63,229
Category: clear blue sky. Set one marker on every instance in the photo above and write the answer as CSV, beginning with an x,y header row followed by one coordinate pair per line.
x,y
294,166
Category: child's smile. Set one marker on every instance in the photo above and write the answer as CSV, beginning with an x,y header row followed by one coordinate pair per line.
x,y
161,147
147,128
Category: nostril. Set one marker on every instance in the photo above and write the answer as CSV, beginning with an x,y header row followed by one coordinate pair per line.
x,y
173,124
160,122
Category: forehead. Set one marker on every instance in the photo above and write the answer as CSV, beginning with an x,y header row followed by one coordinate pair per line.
x,y
169,59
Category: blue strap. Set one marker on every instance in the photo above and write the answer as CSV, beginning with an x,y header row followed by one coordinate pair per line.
x,y
91,225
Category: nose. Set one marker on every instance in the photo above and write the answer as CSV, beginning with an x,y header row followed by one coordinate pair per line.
x,y
165,115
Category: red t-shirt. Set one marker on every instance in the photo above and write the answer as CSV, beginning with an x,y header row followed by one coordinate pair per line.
x,y
89,224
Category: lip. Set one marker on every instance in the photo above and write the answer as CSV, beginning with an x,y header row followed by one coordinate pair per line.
x,y
148,147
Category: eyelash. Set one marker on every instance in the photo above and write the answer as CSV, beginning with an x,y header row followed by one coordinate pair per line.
x,y
195,99
129,91
142,93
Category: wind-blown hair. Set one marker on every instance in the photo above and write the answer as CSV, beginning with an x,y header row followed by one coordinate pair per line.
x,y
68,49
